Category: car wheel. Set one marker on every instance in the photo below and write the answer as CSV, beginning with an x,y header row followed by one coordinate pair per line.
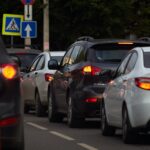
x,y
39,109
107,130
53,116
127,133
73,120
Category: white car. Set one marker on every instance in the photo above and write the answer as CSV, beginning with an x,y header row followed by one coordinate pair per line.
x,y
126,100
35,82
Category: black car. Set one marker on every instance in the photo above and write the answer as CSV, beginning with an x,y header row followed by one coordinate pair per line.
x,y
81,78
26,56
11,114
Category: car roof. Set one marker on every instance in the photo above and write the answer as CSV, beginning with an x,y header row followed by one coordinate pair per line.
x,y
22,50
146,49
57,53
113,41
54,53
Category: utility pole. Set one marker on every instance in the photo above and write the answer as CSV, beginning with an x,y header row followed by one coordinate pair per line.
x,y
46,46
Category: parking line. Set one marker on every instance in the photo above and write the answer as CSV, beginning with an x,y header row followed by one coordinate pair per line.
x,y
86,146
36,126
62,136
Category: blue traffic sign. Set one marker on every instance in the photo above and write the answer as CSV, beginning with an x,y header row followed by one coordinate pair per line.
x,y
29,29
11,24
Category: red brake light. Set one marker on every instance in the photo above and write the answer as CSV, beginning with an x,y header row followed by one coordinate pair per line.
x,y
8,121
143,83
48,77
91,70
91,100
9,71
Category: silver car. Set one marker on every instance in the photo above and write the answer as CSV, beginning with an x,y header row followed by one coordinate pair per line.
x,y
35,82
126,100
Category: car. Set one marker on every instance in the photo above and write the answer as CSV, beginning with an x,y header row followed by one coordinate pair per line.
x,y
11,114
35,82
126,102
80,79
26,56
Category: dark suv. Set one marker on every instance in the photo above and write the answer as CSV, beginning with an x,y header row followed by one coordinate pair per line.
x,y
11,114
80,79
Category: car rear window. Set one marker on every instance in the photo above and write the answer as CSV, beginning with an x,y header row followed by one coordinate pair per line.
x,y
26,59
146,59
58,58
110,52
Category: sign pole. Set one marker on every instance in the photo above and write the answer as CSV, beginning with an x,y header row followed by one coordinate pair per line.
x,y
12,41
28,17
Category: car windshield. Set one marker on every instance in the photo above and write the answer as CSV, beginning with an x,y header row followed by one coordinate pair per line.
x,y
146,59
26,59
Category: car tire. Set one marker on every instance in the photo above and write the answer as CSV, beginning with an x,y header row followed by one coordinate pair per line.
x,y
39,108
72,119
53,116
107,130
128,135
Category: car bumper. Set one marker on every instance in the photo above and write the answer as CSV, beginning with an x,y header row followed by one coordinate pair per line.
x,y
139,109
88,109
12,136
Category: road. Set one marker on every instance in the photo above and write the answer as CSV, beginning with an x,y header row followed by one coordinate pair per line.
x,y
42,135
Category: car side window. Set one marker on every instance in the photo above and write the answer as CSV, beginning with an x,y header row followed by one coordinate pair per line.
x,y
81,55
33,66
65,59
74,55
131,63
41,63
123,65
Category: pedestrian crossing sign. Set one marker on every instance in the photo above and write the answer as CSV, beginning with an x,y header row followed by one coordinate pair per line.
x,y
11,24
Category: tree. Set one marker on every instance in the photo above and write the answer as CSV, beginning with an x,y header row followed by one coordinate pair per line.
x,y
97,18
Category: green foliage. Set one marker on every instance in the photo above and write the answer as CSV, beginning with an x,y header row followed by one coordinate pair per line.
x,y
97,18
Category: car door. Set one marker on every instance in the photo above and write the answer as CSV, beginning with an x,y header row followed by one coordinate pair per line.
x,y
39,79
28,84
113,93
124,85
60,82
121,85
66,77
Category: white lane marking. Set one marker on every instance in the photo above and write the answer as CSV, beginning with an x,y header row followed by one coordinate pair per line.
x,y
86,146
36,126
62,135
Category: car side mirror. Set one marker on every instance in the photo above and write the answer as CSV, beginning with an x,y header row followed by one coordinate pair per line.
x,y
24,69
53,64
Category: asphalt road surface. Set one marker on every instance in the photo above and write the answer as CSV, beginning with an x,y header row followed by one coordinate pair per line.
x,y
42,135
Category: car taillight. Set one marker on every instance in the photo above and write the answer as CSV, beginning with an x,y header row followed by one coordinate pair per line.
x,y
8,121
48,77
143,83
9,71
91,100
91,70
